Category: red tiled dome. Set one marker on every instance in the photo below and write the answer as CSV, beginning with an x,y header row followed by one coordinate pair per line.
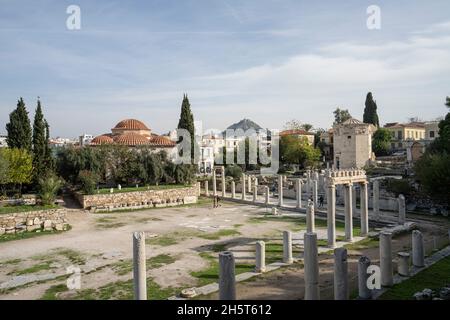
x,y
131,124
161,141
131,139
103,139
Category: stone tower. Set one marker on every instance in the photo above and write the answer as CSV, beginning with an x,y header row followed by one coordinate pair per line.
x,y
352,144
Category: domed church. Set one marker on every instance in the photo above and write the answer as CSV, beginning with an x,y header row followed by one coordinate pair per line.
x,y
133,133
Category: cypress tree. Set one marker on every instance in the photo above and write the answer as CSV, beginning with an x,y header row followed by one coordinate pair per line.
x,y
370,111
187,121
19,128
40,143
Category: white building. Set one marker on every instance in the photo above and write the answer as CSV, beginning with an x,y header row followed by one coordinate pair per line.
x,y
85,139
3,143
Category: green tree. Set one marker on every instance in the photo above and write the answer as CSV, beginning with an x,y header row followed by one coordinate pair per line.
x,y
4,169
341,115
19,128
39,143
370,111
294,150
307,127
380,142
187,122
20,167
88,181
49,185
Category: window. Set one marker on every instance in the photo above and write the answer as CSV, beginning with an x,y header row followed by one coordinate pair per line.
x,y
393,145
400,145
399,135
431,134
416,134
349,137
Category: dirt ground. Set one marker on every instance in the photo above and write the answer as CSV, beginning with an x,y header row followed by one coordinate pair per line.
x,y
101,246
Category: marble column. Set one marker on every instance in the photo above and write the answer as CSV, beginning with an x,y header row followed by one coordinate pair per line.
x,y
363,291
418,253
260,257
310,223
401,209
249,184
139,266
315,193
267,194
233,189
227,281
387,273
376,199
354,209
341,291
348,213
207,188
287,247
224,184
243,186
298,192
403,263
364,210
311,266
331,215
214,183
280,190
255,193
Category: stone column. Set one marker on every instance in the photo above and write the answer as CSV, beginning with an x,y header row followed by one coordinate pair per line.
x,y
340,274
267,194
418,253
287,247
363,291
364,210
233,189
331,215
298,192
376,199
227,281
315,193
401,209
243,186
354,209
214,183
403,263
256,181
224,184
310,223
311,268
387,273
249,184
348,213
207,188
260,263
255,193
139,266
280,190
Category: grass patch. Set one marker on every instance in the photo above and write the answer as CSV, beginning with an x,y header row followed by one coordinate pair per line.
x,y
25,208
10,262
122,267
163,241
219,234
211,273
435,277
110,225
159,261
142,188
29,234
52,292
75,257
363,244
33,269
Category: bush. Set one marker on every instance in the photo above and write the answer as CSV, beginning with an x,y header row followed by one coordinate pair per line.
x,y
49,186
234,171
88,181
398,186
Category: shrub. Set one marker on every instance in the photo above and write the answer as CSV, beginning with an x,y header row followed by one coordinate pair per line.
x,y
88,181
234,171
398,186
49,186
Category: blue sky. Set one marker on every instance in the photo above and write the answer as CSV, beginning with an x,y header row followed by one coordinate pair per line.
x,y
270,61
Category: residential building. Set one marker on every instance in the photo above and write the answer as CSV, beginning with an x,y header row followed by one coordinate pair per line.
x,y
401,133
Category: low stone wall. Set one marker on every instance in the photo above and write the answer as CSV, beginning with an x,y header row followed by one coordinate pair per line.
x,y
47,220
139,199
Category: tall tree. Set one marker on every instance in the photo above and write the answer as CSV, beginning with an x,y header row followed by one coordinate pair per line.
x,y
341,115
307,127
19,128
39,143
187,122
380,142
370,111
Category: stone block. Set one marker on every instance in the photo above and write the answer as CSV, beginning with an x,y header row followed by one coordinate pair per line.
x,y
33,228
48,225
2,231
